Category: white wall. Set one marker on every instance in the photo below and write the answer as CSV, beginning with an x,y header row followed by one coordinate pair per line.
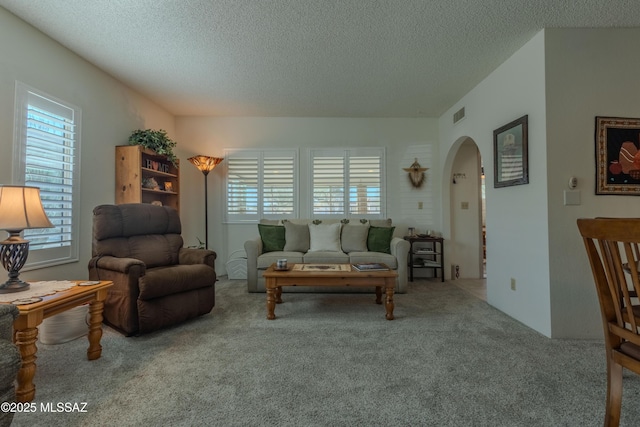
x,y
403,139
517,221
110,112
589,73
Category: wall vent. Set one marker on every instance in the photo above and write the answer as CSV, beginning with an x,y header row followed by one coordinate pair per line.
x,y
458,115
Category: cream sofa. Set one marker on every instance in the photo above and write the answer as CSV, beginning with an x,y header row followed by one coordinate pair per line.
x,y
314,241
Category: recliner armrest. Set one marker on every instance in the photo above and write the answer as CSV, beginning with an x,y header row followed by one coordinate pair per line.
x,y
197,256
118,265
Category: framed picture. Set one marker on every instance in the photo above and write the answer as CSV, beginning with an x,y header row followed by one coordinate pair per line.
x,y
510,154
617,156
168,186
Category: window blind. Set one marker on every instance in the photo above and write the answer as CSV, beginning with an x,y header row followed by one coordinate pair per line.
x,y
261,184
328,185
278,188
348,182
47,155
49,164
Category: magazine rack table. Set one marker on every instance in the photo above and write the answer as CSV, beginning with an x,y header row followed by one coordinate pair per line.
x,y
25,328
328,275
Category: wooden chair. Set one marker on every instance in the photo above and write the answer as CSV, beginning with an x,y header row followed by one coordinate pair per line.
x,y
612,248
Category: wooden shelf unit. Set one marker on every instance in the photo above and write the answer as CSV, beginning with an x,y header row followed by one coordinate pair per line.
x,y
134,165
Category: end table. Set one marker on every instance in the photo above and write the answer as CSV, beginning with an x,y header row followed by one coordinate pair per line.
x,y
434,252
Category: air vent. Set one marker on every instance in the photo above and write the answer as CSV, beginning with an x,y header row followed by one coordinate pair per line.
x,y
458,115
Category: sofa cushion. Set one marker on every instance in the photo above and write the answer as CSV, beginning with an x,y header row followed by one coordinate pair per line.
x,y
354,238
326,257
272,237
324,237
296,236
380,222
266,259
162,281
379,239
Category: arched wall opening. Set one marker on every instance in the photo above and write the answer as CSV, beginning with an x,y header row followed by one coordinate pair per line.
x,y
463,211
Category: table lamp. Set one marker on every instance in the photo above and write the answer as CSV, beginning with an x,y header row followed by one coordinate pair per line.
x,y
20,209
205,164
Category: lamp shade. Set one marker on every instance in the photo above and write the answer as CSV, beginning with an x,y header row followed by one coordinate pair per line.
x,y
205,163
21,208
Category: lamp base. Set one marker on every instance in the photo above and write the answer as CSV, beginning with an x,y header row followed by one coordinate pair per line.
x,y
13,286
13,255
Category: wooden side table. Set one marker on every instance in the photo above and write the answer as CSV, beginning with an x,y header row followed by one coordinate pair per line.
x,y
434,252
25,328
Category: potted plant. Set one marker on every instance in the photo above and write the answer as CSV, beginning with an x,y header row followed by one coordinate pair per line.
x,y
156,140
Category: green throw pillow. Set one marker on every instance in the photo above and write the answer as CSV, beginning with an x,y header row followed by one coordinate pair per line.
x,y
379,239
272,237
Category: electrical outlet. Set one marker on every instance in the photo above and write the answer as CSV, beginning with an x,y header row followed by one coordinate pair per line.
x,y
513,284
419,205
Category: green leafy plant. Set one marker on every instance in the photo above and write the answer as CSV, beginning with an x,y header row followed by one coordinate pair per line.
x,y
156,140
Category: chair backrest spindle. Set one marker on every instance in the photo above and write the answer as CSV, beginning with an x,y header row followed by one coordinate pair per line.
x,y
612,249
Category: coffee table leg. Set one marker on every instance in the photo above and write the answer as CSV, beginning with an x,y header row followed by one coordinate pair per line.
x,y
26,342
95,330
378,294
271,303
279,295
389,303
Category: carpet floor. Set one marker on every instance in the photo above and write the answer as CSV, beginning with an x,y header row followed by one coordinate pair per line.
x,y
448,359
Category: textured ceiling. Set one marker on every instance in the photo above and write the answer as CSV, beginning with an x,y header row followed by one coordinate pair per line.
x,y
315,58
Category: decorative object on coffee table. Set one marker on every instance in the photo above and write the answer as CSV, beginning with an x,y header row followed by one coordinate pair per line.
x,y
20,209
205,164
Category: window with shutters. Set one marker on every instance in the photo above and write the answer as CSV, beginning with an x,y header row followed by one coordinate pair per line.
x,y
261,184
348,183
46,155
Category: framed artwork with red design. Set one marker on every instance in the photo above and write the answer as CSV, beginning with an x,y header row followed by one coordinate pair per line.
x,y
617,156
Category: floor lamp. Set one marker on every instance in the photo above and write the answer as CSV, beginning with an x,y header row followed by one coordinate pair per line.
x,y
20,209
205,164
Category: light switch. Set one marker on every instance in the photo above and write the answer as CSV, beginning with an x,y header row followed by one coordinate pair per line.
x,y
464,205
571,197
419,205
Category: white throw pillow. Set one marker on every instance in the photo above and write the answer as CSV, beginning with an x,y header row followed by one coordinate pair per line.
x,y
325,237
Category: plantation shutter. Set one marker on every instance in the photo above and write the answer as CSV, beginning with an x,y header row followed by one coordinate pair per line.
x,y
365,185
278,185
50,165
328,185
261,184
348,183
242,187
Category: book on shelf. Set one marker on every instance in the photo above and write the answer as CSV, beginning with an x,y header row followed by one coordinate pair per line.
x,y
370,266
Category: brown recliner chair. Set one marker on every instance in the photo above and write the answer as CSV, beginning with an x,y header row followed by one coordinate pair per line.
x,y
156,281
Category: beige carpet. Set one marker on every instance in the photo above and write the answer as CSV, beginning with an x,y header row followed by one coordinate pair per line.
x,y
448,359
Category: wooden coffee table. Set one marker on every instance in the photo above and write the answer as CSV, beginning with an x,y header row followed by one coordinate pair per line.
x,y
25,328
347,276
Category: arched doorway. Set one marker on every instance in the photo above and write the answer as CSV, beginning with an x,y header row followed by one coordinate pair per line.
x,y
463,210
